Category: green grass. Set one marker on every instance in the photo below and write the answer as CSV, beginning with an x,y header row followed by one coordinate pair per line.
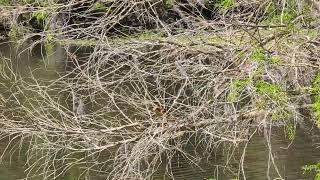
x,y
259,55
237,88
315,89
225,4
271,91
312,168
273,97
289,15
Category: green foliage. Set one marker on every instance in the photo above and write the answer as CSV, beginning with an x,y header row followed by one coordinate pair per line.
x,y
236,89
100,6
5,2
316,105
225,4
17,31
291,131
40,15
169,3
316,85
281,113
49,42
50,38
283,18
273,91
275,60
290,14
273,98
279,15
316,108
259,55
312,168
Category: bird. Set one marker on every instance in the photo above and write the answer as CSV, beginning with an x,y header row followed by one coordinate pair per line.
x,y
159,110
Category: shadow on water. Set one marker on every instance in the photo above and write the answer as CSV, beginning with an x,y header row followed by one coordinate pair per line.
x,y
45,64
289,158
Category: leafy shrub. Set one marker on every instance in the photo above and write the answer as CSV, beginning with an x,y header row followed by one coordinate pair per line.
x,y
316,105
312,168
5,2
237,88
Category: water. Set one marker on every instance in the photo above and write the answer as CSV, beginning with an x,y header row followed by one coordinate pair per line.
x,y
289,156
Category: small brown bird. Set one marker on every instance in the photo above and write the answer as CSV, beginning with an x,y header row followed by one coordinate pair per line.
x,y
160,111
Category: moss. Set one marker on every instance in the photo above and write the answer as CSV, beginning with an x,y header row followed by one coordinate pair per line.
x,y
148,35
79,42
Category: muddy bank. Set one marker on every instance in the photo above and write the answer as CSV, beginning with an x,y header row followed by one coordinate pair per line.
x,y
120,18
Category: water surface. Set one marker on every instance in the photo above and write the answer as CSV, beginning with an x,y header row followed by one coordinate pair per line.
x,y
289,156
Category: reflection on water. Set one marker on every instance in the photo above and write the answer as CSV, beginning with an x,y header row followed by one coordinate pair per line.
x,y
289,159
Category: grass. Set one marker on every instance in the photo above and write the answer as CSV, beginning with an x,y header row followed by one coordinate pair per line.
x,y
273,91
237,89
312,168
225,4
315,89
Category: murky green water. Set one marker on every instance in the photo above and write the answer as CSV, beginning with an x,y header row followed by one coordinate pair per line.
x,y
289,156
